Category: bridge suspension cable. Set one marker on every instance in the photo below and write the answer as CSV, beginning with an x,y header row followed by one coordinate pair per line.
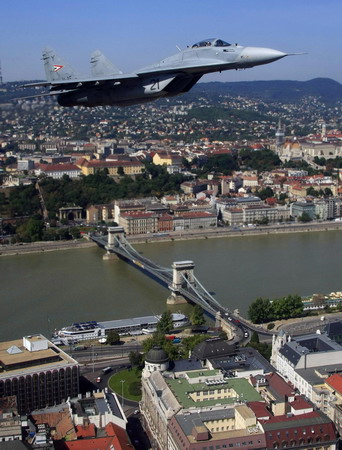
x,y
199,293
126,247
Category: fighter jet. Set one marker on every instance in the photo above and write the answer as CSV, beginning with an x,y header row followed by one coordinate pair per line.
x,y
169,77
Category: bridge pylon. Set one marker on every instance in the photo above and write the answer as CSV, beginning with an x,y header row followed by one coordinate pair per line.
x,y
183,273
115,235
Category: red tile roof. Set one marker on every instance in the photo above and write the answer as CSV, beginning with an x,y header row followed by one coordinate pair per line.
x,y
116,438
335,382
58,167
279,385
86,431
259,409
300,403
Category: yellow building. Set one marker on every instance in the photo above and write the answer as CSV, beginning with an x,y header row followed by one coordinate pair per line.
x,y
113,167
168,158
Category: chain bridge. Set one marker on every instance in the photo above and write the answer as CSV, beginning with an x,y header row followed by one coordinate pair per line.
x,y
179,279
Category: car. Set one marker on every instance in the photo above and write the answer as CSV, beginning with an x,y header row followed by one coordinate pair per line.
x,y
98,380
137,411
246,334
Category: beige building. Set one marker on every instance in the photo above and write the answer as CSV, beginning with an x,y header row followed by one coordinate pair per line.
x,y
194,220
139,222
167,158
128,167
254,214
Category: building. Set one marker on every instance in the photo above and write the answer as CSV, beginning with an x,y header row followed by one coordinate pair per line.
x,y
334,331
334,385
99,409
25,164
114,167
124,206
198,408
57,171
99,213
305,361
167,158
139,222
37,372
300,208
216,429
325,209
238,202
10,424
194,221
255,214
193,187
70,213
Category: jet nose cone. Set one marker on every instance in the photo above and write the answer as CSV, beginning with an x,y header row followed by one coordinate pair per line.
x,y
258,55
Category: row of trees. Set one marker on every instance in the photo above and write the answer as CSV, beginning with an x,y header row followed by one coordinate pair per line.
x,y
266,310
101,188
92,189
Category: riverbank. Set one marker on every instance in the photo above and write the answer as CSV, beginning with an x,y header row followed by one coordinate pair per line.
x,y
38,247
229,232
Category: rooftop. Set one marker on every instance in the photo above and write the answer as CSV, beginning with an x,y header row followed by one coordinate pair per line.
x,y
335,382
15,357
182,389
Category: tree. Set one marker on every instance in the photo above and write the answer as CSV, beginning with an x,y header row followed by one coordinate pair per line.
x,y
113,338
121,171
157,339
304,218
197,316
223,335
165,323
31,231
260,311
266,193
312,191
75,233
189,343
255,338
136,359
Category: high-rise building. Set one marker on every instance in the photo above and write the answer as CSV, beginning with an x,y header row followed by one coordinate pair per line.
x,y
37,372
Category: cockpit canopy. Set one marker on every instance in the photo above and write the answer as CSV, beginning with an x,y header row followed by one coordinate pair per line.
x,y
211,43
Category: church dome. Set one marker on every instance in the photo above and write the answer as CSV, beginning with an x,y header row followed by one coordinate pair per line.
x,y
156,356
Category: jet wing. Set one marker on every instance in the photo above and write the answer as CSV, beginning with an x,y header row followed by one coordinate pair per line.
x,y
85,82
194,67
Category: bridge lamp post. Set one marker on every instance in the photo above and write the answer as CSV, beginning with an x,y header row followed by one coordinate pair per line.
x,y
122,396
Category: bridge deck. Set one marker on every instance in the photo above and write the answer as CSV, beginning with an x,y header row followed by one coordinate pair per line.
x,y
164,276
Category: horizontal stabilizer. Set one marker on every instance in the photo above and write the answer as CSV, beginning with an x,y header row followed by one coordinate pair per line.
x,y
101,66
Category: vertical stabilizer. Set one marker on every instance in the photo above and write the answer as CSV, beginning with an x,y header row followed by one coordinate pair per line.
x,y
56,69
101,66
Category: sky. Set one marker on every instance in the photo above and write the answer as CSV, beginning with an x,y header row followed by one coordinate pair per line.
x,y
136,33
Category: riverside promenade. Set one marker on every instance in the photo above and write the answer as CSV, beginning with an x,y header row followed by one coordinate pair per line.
x,y
212,233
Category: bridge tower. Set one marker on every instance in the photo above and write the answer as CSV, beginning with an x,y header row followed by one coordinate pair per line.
x,y
115,237
183,273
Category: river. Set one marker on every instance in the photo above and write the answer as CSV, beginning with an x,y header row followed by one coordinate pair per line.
x,y
43,291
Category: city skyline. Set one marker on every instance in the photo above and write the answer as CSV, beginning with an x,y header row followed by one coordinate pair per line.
x,y
133,35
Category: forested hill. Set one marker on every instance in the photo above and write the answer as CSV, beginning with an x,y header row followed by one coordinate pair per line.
x,y
327,89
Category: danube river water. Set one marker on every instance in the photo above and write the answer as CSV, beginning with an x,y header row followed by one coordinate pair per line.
x,y
43,291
